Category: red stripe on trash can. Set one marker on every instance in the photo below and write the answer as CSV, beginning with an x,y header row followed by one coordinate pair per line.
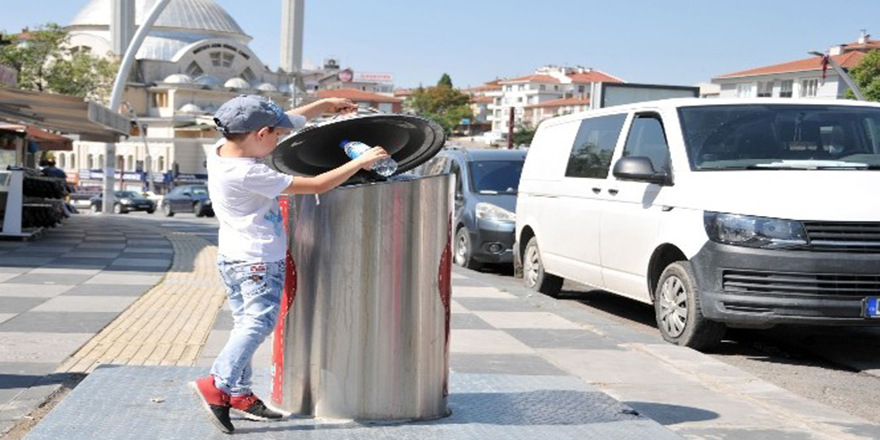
x,y
445,284
286,302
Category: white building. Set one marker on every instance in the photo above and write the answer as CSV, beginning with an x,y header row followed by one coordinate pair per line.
x,y
549,83
801,78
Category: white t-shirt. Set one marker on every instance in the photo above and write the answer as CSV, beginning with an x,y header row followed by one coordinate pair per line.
x,y
243,194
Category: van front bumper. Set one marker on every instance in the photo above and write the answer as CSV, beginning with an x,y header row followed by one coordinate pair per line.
x,y
762,288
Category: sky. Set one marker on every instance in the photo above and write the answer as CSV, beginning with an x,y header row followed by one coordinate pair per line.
x,y
681,42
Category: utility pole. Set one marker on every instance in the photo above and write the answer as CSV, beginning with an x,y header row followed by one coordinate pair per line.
x,y
510,128
292,23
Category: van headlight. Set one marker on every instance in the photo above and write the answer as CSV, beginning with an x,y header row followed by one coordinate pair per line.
x,y
488,211
756,232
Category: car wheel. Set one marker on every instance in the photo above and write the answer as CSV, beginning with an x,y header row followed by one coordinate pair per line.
x,y
150,211
463,252
533,272
118,209
677,308
199,209
166,209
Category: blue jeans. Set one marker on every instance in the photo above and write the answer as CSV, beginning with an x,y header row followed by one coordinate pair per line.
x,y
254,294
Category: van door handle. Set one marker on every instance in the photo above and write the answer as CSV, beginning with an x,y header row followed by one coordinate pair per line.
x,y
597,190
613,192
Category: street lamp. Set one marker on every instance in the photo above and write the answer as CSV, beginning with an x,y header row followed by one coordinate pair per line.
x,y
843,75
116,98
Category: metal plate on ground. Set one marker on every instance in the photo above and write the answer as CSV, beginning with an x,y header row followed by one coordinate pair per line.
x,y
123,402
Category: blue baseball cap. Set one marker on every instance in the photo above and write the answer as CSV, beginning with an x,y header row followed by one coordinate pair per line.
x,y
247,113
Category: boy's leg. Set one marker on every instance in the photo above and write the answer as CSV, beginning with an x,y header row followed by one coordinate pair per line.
x,y
216,401
261,288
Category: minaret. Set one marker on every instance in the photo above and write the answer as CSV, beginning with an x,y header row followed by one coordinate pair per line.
x,y
292,15
121,25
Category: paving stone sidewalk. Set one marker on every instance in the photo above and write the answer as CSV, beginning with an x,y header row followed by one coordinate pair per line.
x,y
59,292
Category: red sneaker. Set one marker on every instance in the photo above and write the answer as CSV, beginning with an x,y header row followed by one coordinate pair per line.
x,y
252,408
215,402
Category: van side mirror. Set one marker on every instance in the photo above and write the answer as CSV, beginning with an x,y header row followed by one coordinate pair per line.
x,y
640,169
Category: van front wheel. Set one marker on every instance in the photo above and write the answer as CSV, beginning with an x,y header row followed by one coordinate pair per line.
x,y
677,308
533,272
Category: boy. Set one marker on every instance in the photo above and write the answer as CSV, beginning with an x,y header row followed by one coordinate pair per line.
x,y
252,243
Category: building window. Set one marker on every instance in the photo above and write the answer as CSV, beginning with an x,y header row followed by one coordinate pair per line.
x,y
248,75
160,100
73,161
194,70
786,89
556,88
541,87
130,163
809,88
765,89
161,167
580,89
743,90
62,161
101,162
90,161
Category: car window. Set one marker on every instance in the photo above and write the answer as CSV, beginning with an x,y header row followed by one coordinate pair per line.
x,y
176,191
128,194
496,176
200,190
647,139
593,147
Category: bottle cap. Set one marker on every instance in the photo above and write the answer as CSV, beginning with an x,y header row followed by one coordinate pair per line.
x,y
342,144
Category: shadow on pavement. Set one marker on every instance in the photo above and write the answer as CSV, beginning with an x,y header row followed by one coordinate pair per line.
x,y
666,414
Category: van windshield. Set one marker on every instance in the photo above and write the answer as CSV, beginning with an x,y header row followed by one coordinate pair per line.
x,y
496,176
780,136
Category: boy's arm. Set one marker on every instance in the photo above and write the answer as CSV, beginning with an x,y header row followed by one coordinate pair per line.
x,y
326,105
331,179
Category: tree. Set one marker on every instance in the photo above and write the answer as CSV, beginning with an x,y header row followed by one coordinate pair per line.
x,y
442,104
46,63
867,76
445,80
523,134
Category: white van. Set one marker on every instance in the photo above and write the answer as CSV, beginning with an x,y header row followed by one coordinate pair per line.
x,y
746,212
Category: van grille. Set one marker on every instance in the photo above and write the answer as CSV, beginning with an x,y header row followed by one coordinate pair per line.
x,y
740,281
844,236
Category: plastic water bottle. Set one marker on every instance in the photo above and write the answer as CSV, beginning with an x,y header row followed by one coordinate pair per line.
x,y
385,167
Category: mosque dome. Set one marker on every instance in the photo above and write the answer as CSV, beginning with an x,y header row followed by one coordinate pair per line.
x,y
178,78
181,23
208,81
267,87
237,83
190,108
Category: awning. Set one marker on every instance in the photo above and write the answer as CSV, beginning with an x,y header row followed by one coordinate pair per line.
x,y
62,113
46,140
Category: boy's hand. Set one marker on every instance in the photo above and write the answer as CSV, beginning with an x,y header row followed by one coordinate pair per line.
x,y
339,105
373,155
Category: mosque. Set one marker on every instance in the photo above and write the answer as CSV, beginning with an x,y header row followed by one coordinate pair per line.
x,y
195,58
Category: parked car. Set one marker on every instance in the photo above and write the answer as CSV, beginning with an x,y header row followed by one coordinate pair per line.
x,y
156,198
82,200
188,198
485,202
124,202
741,213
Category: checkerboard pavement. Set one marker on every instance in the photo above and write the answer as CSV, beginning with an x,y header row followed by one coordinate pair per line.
x,y
63,294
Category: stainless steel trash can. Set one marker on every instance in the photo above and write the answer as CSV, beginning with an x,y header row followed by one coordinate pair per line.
x,y
364,328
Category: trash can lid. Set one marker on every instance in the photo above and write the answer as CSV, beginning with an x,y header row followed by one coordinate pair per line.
x,y
410,140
